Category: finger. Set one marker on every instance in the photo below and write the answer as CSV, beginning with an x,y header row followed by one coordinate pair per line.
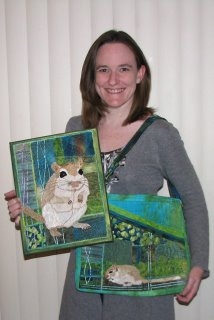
x,y
17,222
14,202
14,214
14,207
185,299
10,195
192,285
189,292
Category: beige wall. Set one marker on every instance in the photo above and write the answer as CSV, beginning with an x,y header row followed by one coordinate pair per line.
x,y
42,47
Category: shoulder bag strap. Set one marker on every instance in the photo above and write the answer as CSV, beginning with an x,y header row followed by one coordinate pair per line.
x,y
129,145
172,190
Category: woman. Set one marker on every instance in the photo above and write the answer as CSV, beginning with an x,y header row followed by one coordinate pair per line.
x,y
115,87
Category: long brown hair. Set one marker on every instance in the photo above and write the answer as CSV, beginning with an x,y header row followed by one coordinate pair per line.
x,y
92,106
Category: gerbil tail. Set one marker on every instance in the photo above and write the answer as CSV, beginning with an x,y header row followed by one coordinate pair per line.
x,y
30,213
167,279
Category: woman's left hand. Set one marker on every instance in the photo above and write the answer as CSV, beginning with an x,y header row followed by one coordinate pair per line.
x,y
192,286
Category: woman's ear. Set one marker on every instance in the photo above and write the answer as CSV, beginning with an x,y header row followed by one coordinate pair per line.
x,y
140,74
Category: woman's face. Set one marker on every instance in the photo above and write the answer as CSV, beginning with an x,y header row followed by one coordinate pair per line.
x,y
117,75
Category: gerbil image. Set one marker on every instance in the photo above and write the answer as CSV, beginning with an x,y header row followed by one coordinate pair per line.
x,y
64,199
59,180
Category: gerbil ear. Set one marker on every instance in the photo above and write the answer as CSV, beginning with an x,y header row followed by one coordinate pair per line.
x,y
55,167
80,162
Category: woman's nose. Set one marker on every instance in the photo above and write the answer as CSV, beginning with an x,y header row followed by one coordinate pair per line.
x,y
113,78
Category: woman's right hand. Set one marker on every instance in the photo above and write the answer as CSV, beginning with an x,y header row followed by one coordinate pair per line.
x,y
14,206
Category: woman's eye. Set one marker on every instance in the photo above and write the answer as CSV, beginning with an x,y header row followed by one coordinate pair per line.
x,y
104,70
124,69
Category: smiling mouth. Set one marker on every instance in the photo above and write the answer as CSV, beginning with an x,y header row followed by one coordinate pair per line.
x,y
115,91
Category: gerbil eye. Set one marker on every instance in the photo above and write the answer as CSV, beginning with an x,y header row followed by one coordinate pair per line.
x,y
62,174
80,171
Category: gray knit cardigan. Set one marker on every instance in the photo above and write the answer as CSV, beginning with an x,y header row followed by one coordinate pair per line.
x,y
158,154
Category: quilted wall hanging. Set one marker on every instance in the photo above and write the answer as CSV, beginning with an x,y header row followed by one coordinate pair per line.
x,y
59,180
